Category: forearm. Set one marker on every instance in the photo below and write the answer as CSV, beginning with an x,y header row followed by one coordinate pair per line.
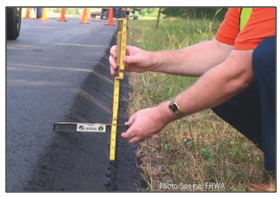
x,y
215,87
191,61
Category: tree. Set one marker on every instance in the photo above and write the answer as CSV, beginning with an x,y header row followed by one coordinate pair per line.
x,y
197,12
149,11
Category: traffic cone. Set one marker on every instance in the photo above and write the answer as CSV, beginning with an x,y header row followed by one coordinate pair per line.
x,y
84,17
111,17
43,16
27,14
32,13
62,16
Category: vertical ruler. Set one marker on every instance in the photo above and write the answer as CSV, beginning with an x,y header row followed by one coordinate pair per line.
x,y
121,50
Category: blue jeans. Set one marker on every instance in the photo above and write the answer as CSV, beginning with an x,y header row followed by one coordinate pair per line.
x,y
253,112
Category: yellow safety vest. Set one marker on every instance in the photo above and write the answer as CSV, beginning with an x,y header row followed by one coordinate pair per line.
x,y
244,16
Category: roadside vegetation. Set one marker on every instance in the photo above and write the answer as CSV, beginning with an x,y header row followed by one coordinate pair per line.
x,y
198,150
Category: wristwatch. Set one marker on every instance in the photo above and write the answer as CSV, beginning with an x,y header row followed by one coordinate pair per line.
x,y
174,107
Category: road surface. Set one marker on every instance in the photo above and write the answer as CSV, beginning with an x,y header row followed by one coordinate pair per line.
x,y
58,71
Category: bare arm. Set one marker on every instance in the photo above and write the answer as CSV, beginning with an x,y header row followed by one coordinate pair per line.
x,y
190,61
219,84
215,87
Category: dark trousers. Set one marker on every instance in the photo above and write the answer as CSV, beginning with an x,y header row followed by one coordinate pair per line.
x,y
253,112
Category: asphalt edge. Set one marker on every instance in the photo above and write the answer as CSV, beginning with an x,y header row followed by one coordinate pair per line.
x,y
123,174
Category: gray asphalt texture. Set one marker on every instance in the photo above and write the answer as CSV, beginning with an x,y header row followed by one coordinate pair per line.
x,y
59,71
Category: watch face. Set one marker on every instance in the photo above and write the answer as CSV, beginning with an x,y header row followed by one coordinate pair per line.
x,y
174,108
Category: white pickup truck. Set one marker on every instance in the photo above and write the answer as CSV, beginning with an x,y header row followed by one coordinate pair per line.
x,y
13,21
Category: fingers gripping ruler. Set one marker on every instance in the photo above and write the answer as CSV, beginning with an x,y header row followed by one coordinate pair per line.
x,y
121,49
101,127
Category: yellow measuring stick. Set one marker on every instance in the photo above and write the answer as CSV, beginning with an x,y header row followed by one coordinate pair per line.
x,y
121,49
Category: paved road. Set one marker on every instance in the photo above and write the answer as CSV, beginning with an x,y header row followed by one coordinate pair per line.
x,y
59,72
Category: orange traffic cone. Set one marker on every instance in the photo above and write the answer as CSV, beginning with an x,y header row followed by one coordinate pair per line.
x,y
43,16
62,16
27,14
84,17
111,17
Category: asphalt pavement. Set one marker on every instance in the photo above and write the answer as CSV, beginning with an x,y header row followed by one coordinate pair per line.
x,y
59,71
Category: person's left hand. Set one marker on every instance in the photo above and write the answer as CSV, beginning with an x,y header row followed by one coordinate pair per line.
x,y
144,124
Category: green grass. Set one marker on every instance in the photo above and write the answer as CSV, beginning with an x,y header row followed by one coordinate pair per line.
x,y
197,149
171,34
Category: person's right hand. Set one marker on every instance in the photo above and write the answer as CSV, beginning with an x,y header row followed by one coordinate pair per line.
x,y
136,59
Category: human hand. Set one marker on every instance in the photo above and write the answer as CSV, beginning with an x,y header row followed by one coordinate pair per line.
x,y
144,124
136,59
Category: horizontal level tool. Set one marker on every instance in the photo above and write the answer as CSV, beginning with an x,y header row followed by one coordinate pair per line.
x,y
83,127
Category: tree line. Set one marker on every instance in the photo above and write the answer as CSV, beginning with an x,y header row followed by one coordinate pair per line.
x,y
196,12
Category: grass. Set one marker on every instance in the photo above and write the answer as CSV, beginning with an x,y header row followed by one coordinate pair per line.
x,y
171,34
199,150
